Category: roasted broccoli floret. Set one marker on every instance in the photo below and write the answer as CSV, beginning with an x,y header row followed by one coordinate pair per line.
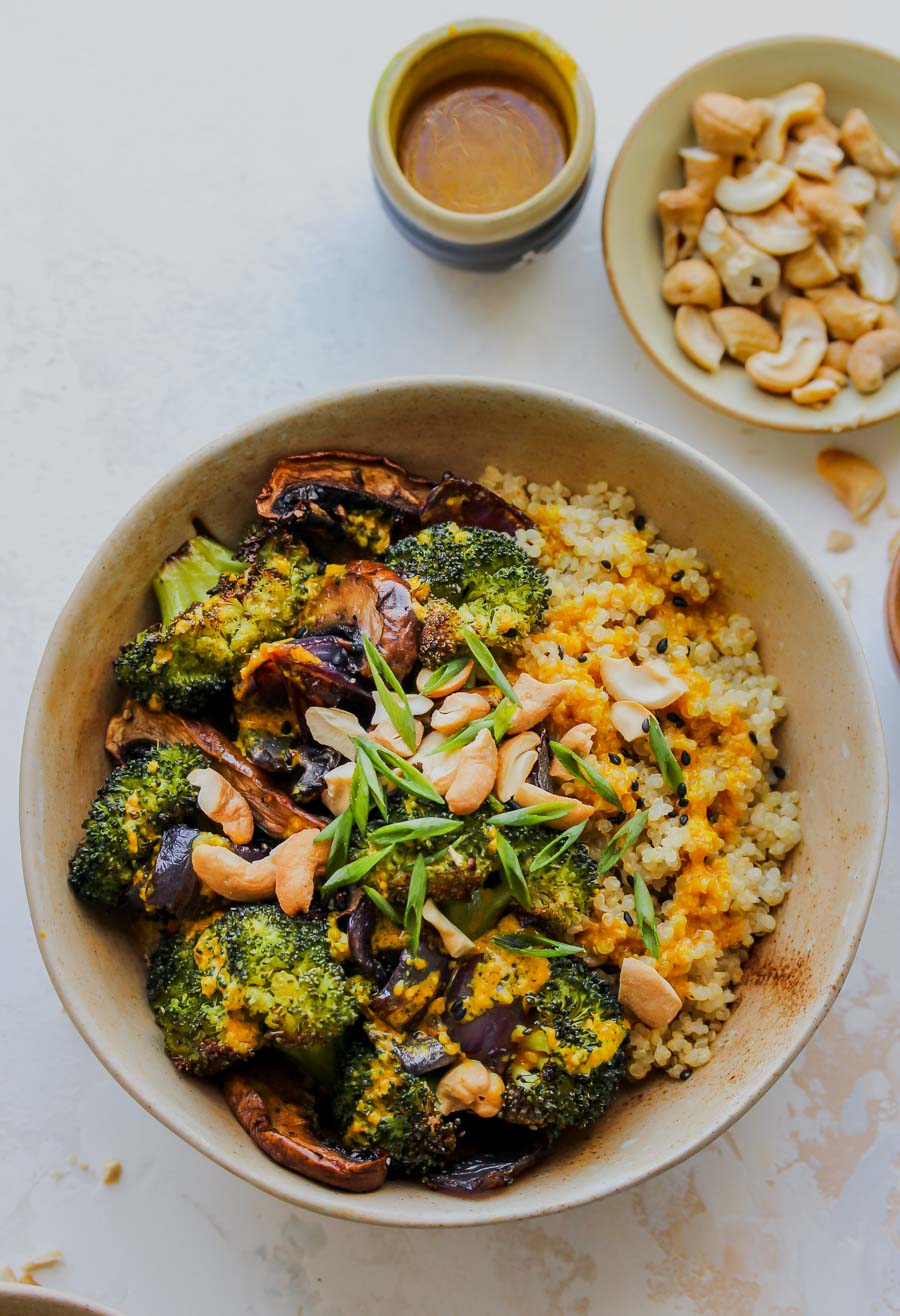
x,y
561,893
183,663
475,578
456,864
380,1106
570,1057
130,812
221,988
189,574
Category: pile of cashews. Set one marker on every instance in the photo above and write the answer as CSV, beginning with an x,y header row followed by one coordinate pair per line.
x,y
766,250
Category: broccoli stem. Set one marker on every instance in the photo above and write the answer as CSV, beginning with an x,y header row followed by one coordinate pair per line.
x,y
189,574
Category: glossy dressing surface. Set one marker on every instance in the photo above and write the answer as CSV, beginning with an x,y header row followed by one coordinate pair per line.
x,y
482,143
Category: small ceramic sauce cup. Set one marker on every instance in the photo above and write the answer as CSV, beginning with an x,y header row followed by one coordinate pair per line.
x,y
505,50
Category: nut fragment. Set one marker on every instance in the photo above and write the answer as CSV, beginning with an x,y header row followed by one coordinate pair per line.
x,y
839,541
456,943
727,124
231,876
889,318
821,126
872,357
470,1085
536,700
651,683
516,758
645,992
681,214
219,800
296,862
744,332
847,315
856,184
386,734
836,356
816,392
629,718
579,738
864,147
841,225
836,376
697,338
335,728
776,230
812,268
476,771
816,157
877,276
803,344
458,710
799,104
336,793
692,283
702,170
529,794
857,482
747,273
448,686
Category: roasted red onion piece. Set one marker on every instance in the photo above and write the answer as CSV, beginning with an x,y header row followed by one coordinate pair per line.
x,y
507,1155
487,1037
469,503
419,979
293,672
420,1054
174,886
378,601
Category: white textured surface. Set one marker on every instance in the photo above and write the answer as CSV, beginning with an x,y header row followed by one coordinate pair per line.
x,y
190,238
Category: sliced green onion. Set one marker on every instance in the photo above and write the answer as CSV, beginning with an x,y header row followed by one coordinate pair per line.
x,y
418,888
533,943
503,716
400,773
376,790
347,874
645,916
416,829
359,798
488,664
668,764
480,912
383,906
554,850
465,735
327,833
533,815
393,696
512,871
340,843
622,840
446,672
589,776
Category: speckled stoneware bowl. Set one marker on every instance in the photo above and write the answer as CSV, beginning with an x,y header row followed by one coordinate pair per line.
x,y
648,163
27,1300
831,741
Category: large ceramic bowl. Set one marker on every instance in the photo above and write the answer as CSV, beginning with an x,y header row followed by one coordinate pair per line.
x,y
832,742
28,1300
648,163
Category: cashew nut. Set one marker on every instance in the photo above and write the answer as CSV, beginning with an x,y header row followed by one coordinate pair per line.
x,y
726,124
836,356
702,170
419,706
447,687
815,157
744,332
858,483
516,758
334,727
697,338
692,283
889,318
821,126
646,993
440,769
838,377
819,390
776,230
629,717
651,683
219,800
803,344
877,276
681,215
747,273
231,876
856,184
476,771
529,794
812,268
842,226
458,710
470,1085
536,700
456,943
386,734
296,862
775,302
884,189
864,147
798,104
579,738
839,541
336,792
847,315
758,190
895,226
872,357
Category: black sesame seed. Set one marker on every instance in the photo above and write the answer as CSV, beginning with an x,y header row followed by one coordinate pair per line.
x,y
649,549
679,601
635,785
639,801
458,1007
582,658
779,772
606,564
683,820
677,575
662,646
628,919
629,879
638,620
615,758
620,816
754,739
640,522
685,757
675,719
645,725
685,1075
561,651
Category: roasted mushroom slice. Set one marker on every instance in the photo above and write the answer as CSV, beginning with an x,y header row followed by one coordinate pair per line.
x,y
272,810
368,500
305,673
468,503
378,601
276,1109
505,1155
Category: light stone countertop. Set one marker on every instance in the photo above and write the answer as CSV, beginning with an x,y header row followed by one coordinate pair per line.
x,y
188,238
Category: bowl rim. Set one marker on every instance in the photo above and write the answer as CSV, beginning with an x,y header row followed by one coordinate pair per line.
x,y
762,43
33,1296
362,1207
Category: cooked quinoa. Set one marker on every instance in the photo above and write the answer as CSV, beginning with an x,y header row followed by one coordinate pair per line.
x,y
714,864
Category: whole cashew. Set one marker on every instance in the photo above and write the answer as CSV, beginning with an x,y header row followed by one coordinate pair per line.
x,y
448,686
231,876
528,794
803,345
536,700
872,357
865,147
841,224
747,273
516,758
847,315
692,283
681,215
296,862
470,1085
580,738
727,124
458,710
696,335
646,993
219,800
798,104
703,169
476,771
651,683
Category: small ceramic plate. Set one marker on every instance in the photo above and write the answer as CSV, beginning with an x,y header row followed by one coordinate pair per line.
x,y
648,163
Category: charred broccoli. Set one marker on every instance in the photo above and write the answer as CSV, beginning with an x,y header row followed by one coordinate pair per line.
x,y
561,893
569,1057
476,578
191,657
130,812
221,988
379,1105
190,573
